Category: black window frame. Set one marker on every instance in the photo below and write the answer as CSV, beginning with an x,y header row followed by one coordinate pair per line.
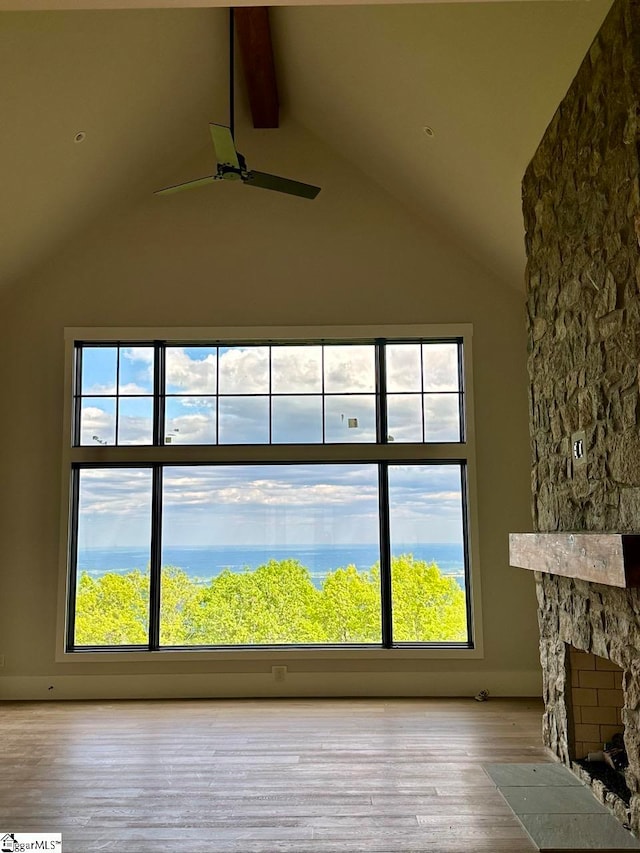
x,y
159,455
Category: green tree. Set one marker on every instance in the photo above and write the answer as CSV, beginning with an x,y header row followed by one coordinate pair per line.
x,y
112,610
277,603
178,594
427,605
350,606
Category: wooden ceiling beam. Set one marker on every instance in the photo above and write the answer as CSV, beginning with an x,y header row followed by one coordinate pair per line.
x,y
256,52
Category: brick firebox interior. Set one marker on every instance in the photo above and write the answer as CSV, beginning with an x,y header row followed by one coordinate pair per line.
x,y
595,714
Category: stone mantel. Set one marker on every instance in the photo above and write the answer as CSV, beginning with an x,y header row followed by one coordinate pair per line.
x,y
612,559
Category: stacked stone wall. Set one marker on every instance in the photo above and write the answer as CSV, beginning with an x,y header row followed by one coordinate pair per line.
x,y
582,213
581,204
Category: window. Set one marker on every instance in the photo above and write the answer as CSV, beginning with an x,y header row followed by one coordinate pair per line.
x,y
306,492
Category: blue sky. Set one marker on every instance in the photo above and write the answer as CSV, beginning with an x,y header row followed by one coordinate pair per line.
x,y
296,377
272,504
287,504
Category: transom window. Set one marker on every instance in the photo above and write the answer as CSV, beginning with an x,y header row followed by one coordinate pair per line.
x,y
268,494
268,394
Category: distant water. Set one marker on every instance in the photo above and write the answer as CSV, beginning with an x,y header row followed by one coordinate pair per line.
x,y
205,563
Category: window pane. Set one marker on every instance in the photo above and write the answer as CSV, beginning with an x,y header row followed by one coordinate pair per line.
x,y
270,554
136,370
296,369
191,370
404,370
190,420
114,534
404,417
135,420
244,420
350,418
427,553
244,370
442,417
440,367
98,420
99,368
349,368
296,420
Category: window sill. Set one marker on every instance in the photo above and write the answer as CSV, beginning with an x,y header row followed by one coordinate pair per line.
x,y
249,654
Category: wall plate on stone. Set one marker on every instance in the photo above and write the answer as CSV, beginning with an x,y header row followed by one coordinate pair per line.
x,y
579,449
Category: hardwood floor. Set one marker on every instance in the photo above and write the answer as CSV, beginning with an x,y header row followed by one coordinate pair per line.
x,y
266,776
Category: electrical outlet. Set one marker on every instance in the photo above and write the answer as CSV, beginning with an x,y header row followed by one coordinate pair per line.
x,y
279,672
579,449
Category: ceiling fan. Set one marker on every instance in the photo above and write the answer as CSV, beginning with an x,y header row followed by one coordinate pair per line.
x,y
231,165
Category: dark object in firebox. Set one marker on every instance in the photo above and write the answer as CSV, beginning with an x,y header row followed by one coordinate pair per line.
x,y
612,779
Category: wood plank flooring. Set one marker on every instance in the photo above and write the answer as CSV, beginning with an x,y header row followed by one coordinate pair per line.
x,y
266,776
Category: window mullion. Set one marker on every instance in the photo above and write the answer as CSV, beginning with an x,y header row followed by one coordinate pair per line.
x,y
464,489
155,561
463,426
381,393
270,349
324,396
117,432
385,555
383,496
77,398
155,568
73,561
424,423
159,362
217,395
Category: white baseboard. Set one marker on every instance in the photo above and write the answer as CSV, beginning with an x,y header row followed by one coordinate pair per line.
x,y
256,685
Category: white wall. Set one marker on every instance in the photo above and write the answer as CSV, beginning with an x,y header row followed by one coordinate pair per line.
x,y
228,255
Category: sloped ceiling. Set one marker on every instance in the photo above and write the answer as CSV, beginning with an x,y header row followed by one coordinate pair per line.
x,y
366,80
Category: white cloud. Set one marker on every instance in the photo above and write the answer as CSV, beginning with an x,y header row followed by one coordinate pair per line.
x,y
138,354
296,419
243,420
350,418
129,388
115,491
270,503
269,493
403,367
296,369
100,389
349,368
134,429
442,417
244,370
98,425
197,428
189,375
440,367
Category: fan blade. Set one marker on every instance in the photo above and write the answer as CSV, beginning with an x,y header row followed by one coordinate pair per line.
x,y
224,145
200,182
281,185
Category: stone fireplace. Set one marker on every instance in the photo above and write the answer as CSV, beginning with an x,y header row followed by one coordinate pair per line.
x,y
588,588
590,648
581,203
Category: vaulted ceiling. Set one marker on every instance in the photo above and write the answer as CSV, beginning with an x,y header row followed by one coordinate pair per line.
x,y
366,80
